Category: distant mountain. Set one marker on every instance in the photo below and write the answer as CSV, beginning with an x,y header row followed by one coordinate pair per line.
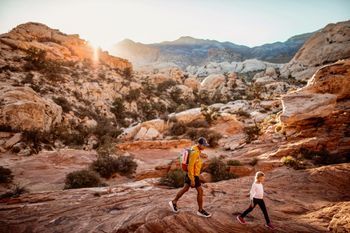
x,y
187,51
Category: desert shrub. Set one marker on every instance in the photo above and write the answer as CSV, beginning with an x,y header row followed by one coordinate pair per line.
x,y
5,175
178,128
133,95
126,165
204,97
127,72
106,166
292,162
118,109
174,178
218,169
82,179
198,124
242,113
209,113
322,157
147,110
175,94
15,191
254,162
233,162
63,102
36,60
165,85
252,133
212,136
35,139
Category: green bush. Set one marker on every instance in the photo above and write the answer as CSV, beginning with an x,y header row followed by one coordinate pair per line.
x,y
106,166
82,179
218,169
178,128
5,175
174,178
16,191
234,163
292,162
252,133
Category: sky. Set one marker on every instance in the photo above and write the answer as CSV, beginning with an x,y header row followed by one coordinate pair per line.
x,y
246,22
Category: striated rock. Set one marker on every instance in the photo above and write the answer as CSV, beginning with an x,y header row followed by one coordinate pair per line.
x,y
13,140
317,116
241,170
149,212
24,109
328,45
301,106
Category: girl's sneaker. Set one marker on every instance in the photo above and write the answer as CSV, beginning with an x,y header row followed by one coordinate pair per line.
x,y
241,220
203,213
270,226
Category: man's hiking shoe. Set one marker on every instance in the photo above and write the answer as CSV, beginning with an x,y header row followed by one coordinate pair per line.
x,y
270,226
203,213
173,207
241,220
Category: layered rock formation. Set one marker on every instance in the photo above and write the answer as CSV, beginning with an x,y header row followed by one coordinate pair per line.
x,y
58,45
321,110
139,208
328,45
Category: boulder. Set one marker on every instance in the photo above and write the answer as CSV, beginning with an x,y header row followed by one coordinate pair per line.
x,y
301,106
192,83
24,109
188,115
212,82
13,140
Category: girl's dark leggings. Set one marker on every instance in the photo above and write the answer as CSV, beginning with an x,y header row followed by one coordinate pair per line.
x,y
262,206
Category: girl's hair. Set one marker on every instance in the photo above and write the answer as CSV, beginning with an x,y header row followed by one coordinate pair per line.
x,y
258,174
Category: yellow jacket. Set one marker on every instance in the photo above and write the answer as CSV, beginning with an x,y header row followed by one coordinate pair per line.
x,y
195,163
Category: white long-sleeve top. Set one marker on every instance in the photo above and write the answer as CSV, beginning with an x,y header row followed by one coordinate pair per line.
x,y
257,191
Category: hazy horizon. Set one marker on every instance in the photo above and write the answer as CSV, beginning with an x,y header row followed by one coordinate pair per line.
x,y
154,21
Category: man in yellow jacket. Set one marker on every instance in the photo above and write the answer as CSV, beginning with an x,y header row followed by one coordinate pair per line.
x,y
192,178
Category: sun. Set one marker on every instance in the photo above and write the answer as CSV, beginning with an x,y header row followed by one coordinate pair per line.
x,y
96,50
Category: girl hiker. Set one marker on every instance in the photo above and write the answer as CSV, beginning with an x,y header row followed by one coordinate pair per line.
x,y
192,178
256,198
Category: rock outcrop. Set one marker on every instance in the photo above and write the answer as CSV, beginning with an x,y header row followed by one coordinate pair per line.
x,y
326,46
58,45
23,109
321,109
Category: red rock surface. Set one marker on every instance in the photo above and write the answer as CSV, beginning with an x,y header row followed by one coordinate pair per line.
x,y
312,200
